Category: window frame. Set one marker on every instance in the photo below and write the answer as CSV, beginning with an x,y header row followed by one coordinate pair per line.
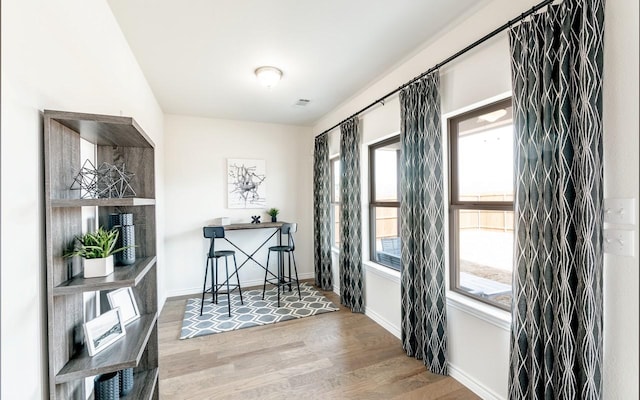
x,y
373,203
455,204
333,201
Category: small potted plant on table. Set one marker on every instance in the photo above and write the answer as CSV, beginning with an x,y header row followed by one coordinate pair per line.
x,y
274,213
97,250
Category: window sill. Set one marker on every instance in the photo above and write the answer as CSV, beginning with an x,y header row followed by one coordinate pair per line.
x,y
382,271
495,316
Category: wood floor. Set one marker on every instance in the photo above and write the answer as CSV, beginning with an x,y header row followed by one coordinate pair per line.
x,y
337,355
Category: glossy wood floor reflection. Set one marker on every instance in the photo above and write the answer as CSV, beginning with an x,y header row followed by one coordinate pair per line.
x,y
337,355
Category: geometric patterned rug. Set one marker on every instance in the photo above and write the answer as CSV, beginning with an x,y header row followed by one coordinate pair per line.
x,y
255,311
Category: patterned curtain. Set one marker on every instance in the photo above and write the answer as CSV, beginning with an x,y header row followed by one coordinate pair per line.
x,y
424,322
350,221
556,334
321,218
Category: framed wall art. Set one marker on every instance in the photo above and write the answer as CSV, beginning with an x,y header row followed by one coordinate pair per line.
x,y
246,183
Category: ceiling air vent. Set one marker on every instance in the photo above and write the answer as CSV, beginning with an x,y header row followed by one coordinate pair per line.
x,y
302,102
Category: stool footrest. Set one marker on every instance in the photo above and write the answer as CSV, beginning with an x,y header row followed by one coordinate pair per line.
x,y
276,282
231,289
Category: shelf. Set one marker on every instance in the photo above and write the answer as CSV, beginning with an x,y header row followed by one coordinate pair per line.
x,y
125,353
114,202
104,130
144,384
121,277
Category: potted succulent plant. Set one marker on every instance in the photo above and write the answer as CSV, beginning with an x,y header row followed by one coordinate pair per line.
x,y
274,213
97,250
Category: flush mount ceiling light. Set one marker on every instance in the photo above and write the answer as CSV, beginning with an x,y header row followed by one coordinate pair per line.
x,y
268,76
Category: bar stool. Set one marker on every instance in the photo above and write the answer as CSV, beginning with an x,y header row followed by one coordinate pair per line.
x,y
281,280
213,233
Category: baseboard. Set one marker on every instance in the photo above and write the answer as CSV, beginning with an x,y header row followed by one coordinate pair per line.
x,y
307,275
255,282
184,292
383,323
472,384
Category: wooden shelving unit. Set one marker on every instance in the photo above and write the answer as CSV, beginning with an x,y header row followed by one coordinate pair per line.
x,y
132,201
117,140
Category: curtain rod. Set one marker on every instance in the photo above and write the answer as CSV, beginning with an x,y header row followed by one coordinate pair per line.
x,y
446,61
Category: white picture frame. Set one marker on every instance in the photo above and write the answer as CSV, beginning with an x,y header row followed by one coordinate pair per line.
x,y
103,331
246,183
123,298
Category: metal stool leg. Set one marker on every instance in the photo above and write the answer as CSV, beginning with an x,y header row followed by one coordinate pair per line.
x,y
226,267
204,286
289,256
280,275
214,289
235,265
295,269
266,270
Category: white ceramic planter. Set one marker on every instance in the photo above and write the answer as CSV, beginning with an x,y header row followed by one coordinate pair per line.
x,y
96,267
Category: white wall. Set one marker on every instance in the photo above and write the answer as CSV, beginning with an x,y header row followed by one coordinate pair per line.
x,y
196,186
479,342
65,55
621,180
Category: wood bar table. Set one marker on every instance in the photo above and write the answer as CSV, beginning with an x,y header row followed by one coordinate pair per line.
x,y
276,226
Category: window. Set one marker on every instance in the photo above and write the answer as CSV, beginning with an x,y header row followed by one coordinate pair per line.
x,y
481,203
384,203
335,201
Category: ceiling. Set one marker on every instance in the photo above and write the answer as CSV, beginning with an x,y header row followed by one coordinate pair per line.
x,y
199,56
